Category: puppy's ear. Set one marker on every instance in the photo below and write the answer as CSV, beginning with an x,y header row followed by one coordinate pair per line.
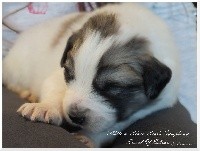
x,y
155,75
68,47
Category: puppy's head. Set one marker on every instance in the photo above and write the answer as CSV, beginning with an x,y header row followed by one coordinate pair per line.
x,y
108,78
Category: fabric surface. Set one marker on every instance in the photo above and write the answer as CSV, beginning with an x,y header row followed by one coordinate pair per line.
x,y
17,17
21,133
17,132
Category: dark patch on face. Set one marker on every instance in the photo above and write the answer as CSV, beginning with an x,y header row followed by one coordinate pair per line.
x,y
68,48
67,61
117,79
69,69
105,23
119,85
129,77
127,53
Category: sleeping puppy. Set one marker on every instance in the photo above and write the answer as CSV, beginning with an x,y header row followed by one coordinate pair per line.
x,y
101,71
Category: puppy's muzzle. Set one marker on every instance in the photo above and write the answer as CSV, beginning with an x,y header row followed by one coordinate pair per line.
x,y
78,115
77,120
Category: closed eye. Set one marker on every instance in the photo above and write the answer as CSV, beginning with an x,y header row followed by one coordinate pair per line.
x,y
69,74
69,68
117,90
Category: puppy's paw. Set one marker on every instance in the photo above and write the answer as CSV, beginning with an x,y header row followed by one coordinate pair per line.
x,y
87,141
40,112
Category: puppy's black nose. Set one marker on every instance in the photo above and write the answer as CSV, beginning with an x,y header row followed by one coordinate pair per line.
x,y
77,119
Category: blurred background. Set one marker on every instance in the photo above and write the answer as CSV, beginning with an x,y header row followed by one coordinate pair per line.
x,y
180,17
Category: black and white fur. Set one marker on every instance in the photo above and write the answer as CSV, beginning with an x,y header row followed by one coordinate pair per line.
x,y
101,71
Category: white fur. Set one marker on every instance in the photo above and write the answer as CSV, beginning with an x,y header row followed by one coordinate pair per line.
x,y
33,66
